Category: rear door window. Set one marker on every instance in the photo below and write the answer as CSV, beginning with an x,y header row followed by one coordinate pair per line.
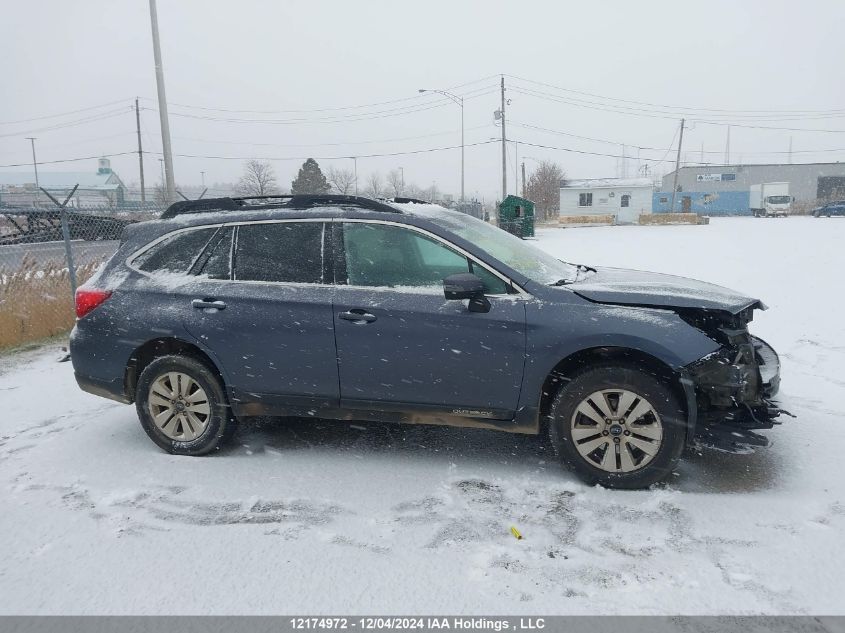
x,y
290,252
214,263
176,253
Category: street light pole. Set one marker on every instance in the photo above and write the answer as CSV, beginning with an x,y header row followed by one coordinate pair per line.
x,y
460,102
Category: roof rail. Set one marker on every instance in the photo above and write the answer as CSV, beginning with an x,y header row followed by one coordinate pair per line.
x,y
404,200
247,203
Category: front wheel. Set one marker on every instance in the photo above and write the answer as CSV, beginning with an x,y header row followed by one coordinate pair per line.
x,y
182,406
618,426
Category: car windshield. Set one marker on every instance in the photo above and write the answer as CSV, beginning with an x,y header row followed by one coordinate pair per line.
x,y
520,255
777,199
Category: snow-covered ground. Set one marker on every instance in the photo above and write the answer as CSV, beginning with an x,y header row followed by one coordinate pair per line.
x,y
310,517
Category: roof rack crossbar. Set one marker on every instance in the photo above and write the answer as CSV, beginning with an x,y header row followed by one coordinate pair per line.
x,y
245,203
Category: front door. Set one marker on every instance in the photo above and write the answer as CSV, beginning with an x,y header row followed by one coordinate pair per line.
x,y
402,346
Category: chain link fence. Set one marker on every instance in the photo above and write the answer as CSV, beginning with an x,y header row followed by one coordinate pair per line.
x,y
36,297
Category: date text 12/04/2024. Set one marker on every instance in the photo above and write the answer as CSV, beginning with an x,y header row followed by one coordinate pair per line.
x,y
418,623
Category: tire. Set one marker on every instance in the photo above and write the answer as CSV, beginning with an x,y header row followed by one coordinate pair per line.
x,y
655,421
200,420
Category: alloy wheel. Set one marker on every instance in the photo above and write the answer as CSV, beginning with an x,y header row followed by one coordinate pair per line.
x,y
616,430
179,406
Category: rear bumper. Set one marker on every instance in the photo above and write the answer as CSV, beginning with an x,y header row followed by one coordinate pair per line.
x,y
111,389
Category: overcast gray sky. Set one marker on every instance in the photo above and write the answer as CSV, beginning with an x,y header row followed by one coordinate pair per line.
x,y
249,55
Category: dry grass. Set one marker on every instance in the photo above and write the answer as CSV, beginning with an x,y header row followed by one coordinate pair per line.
x,y
35,301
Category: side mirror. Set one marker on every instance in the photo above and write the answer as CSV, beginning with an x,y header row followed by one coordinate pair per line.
x,y
462,286
467,286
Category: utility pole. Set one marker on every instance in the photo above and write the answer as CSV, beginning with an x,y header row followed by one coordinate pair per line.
x,y
790,150
140,150
728,147
355,162
504,146
34,165
202,175
170,181
523,179
402,173
677,167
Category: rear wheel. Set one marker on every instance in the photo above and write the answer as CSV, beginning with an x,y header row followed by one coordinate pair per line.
x,y
182,406
618,426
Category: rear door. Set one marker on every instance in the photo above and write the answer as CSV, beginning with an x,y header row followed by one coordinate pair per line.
x,y
259,303
402,346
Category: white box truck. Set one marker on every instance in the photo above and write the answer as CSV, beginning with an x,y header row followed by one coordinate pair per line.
x,y
770,200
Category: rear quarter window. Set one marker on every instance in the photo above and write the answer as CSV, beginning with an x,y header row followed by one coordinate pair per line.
x,y
175,253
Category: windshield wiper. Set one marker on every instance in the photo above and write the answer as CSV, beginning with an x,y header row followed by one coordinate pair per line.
x,y
579,268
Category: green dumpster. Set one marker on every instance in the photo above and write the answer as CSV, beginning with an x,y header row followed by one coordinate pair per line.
x,y
516,215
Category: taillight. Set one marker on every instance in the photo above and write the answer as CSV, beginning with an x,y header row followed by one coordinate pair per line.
x,y
89,298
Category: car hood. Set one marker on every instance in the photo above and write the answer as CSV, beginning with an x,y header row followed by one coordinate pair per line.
x,y
656,290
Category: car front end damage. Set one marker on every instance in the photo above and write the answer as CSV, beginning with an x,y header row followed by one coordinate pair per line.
x,y
730,393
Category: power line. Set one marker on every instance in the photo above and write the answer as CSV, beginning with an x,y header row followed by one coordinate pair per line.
x,y
60,126
335,144
338,157
417,97
391,112
769,127
56,116
681,109
579,151
74,143
662,149
585,138
69,160
656,114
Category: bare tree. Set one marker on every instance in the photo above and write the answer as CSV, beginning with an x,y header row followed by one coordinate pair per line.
x,y
395,183
258,180
413,191
341,180
374,185
160,195
543,188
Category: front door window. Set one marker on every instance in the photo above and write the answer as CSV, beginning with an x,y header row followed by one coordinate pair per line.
x,y
382,255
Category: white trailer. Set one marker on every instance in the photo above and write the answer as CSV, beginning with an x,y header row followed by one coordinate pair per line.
x,y
770,200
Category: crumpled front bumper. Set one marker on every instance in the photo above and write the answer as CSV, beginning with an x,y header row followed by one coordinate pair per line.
x,y
733,393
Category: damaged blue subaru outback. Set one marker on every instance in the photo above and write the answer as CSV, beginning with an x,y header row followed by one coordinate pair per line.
x,y
348,308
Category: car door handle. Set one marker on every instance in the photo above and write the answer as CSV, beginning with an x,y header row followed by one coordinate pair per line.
x,y
357,316
205,304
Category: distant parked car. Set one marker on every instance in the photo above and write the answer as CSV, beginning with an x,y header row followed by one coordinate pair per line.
x,y
830,209
354,309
